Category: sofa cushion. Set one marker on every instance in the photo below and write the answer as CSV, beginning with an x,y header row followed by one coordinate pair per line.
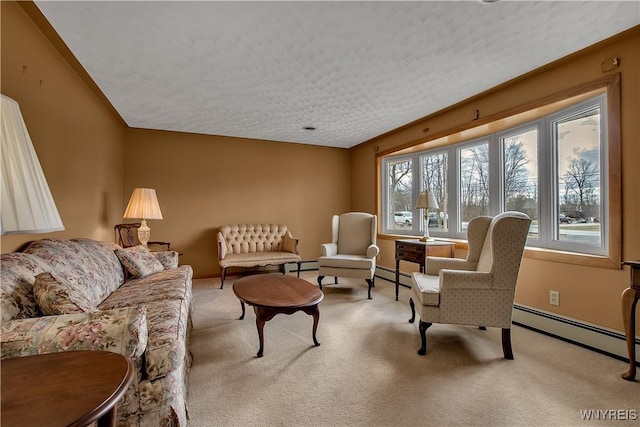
x,y
92,260
254,259
139,261
122,331
427,288
17,275
166,285
347,261
56,294
168,259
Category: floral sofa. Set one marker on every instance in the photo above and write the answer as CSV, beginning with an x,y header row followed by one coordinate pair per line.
x,y
82,294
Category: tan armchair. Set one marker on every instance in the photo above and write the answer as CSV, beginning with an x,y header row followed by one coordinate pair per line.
x,y
476,291
352,251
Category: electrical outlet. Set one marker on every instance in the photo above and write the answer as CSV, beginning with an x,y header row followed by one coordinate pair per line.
x,y
554,298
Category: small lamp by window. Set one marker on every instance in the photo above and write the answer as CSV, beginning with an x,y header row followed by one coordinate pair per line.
x,y
27,205
143,205
426,201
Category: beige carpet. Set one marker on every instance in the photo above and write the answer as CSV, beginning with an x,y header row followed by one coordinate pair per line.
x,y
366,371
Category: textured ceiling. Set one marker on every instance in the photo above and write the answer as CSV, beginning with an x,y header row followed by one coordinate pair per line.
x,y
353,70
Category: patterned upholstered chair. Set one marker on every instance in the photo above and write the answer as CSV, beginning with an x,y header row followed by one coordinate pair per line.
x,y
479,290
352,251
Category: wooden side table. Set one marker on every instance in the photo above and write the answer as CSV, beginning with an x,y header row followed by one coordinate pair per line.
x,y
629,302
417,251
71,388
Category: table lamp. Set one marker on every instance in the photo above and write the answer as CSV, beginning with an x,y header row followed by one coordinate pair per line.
x,y
426,201
27,204
144,205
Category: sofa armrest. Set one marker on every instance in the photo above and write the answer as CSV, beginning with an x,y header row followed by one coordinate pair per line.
x,y
328,249
222,246
289,244
435,264
168,259
122,330
372,251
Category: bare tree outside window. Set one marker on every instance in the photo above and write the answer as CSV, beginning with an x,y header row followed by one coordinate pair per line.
x,y
474,182
578,179
520,175
400,181
434,179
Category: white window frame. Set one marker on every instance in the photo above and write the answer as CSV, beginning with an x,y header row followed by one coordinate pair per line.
x,y
547,208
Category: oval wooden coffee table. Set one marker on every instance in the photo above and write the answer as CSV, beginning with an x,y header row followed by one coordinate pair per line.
x,y
271,294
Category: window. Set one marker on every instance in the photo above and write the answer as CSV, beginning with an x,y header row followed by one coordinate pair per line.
x,y
577,179
519,149
399,195
474,182
552,168
434,179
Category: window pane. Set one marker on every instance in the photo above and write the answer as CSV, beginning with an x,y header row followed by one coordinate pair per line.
x,y
520,160
434,179
578,177
474,183
400,185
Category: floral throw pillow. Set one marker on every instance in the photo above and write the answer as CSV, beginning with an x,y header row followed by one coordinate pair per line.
x,y
57,295
139,261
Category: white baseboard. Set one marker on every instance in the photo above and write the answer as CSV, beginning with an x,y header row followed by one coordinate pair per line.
x,y
594,337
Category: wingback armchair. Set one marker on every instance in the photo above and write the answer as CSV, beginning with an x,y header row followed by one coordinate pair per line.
x,y
352,251
478,290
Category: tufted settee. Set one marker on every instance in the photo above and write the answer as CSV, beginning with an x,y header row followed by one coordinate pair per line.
x,y
255,245
82,294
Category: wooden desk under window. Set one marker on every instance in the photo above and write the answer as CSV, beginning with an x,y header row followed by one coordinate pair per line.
x,y
417,251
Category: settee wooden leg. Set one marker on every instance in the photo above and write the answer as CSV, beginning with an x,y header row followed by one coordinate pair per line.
x,y
370,282
413,310
320,281
423,326
506,343
224,273
335,280
282,269
299,268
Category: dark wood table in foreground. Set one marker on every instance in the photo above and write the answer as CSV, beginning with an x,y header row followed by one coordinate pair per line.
x,y
74,388
271,294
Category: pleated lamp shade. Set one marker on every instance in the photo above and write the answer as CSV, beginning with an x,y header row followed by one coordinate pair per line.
x,y
27,205
143,205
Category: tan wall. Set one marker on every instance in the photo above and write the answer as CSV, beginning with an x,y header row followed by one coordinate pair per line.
x,y
77,140
203,182
588,294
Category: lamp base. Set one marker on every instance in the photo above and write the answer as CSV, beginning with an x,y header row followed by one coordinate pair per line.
x,y
144,233
426,237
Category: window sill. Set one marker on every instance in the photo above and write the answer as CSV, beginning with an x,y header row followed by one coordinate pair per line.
x,y
541,254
